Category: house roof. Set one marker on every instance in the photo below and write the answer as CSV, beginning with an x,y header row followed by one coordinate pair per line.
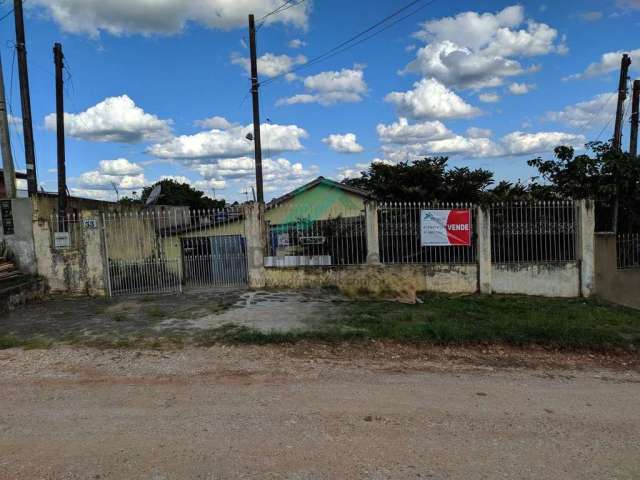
x,y
20,175
316,182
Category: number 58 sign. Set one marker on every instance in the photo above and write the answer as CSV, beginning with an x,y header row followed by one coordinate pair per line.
x,y
445,227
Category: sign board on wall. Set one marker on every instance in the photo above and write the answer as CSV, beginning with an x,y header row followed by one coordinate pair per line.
x,y
6,213
445,227
61,240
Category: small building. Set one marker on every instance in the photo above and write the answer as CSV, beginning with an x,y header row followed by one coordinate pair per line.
x,y
301,227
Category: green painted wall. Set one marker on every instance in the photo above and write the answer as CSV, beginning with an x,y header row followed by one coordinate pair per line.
x,y
318,203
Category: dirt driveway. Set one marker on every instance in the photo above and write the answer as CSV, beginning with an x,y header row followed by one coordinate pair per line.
x,y
305,412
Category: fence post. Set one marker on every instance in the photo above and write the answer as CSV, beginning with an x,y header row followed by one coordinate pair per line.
x,y
371,222
254,220
484,249
585,240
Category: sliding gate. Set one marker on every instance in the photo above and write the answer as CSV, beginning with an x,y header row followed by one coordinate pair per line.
x,y
166,249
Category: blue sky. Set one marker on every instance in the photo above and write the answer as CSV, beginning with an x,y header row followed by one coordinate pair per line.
x,y
160,88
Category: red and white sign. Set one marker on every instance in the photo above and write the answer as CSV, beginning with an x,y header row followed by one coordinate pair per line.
x,y
445,227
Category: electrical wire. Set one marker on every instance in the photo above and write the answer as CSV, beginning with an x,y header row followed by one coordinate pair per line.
x,y
285,6
360,37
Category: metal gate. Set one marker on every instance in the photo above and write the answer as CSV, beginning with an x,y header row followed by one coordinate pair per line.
x,y
165,248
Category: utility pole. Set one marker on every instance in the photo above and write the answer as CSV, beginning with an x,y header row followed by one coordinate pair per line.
x,y
25,98
5,143
256,108
622,96
635,118
58,59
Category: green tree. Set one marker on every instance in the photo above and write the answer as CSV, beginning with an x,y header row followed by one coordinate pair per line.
x,y
602,173
180,194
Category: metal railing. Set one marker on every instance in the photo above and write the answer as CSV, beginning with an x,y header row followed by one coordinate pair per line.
x,y
300,235
628,250
161,250
399,232
540,232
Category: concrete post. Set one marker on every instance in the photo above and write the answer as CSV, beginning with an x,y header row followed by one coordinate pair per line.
x,y
371,220
483,222
585,241
254,220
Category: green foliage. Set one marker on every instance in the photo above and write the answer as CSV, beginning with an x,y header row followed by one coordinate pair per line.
x,y
430,179
603,173
177,194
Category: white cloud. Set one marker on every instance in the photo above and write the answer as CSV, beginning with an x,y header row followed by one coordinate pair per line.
x,y
327,88
520,88
115,119
347,143
354,171
120,166
216,122
209,184
594,112
278,174
401,132
478,144
269,65
165,17
609,62
229,143
491,97
461,67
522,143
430,99
475,132
122,173
473,50
297,43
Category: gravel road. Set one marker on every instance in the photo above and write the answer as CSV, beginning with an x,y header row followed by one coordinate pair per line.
x,y
314,412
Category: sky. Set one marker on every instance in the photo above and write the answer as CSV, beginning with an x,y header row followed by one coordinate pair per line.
x,y
160,88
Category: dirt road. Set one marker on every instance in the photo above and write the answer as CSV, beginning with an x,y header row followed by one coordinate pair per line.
x,y
289,413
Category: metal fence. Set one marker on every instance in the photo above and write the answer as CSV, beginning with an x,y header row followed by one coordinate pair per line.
x,y
540,232
300,235
67,231
160,251
628,250
399,231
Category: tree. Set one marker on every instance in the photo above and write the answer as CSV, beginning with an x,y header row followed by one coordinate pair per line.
x,y
178,194
604,174
422,180
429,179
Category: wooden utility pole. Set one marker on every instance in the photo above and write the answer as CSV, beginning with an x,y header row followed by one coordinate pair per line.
x,y
9,172
622,96
256,108
25,98
635,118
58,59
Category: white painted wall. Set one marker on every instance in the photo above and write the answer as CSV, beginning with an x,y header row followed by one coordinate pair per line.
x,y
547,280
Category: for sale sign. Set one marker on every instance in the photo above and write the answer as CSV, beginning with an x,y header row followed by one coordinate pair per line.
x,y
445,227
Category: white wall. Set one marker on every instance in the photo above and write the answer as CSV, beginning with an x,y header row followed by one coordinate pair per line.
x,y
547,279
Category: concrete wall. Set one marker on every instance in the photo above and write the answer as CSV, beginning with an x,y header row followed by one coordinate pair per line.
x,y
21,241
546,279
436,278
615,285
79,269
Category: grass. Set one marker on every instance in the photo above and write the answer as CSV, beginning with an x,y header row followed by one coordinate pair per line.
x,y
473,319
570,324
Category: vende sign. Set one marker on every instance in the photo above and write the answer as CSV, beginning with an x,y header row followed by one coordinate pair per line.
x,y
445,227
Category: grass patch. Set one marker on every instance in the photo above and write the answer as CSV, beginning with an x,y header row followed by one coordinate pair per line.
x,y
473,319
7,341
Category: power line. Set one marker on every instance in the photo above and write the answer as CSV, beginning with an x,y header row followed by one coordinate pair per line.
x,y
360,37
283,7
